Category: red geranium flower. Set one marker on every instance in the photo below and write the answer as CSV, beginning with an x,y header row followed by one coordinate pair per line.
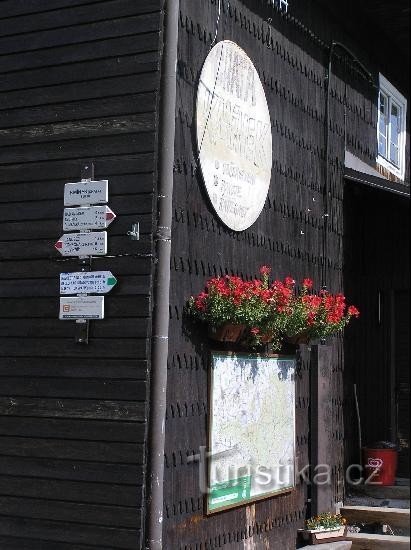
x,y
353,311
311,319
265,270
308,283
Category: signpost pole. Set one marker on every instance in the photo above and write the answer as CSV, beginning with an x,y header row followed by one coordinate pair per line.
x,y
87,172
83,326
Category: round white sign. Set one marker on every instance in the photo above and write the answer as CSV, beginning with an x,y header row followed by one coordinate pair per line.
x,y
234,136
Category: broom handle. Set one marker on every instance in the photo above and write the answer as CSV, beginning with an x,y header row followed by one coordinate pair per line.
x,y
359,420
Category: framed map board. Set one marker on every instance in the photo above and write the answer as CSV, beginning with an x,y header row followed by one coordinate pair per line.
x,y
252,449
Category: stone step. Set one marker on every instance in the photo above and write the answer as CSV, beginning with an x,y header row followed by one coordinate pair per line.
x,y
343,545
364,541
396,492
394,517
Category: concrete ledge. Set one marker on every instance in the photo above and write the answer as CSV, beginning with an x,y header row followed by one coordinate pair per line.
x,y
343,545
363,541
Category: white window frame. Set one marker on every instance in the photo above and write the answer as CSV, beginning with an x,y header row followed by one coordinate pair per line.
x,y
284,5
281,4
393,95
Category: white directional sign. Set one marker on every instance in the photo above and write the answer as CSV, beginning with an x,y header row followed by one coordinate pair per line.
x,y
87,217
86,193
83,244
93,282
82,307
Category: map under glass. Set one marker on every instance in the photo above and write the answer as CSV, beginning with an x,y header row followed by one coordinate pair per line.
x,y
252,429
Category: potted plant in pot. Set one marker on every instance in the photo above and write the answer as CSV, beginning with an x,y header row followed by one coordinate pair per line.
x,y
252,312
257,313
324,528
317,316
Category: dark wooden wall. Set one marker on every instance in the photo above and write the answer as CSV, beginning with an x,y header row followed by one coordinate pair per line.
x,y
79,80
369,34
288,236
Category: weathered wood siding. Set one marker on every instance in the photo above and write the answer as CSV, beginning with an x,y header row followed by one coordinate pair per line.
x,y
288,235
79,81
373,49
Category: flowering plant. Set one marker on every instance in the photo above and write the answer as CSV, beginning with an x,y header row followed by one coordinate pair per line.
x,y
230,299
270,312
319,315
325,521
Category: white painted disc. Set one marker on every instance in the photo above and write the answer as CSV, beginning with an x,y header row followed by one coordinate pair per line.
x,y
234,136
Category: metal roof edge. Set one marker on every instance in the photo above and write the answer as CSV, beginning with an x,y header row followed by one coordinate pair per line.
x,y
383,184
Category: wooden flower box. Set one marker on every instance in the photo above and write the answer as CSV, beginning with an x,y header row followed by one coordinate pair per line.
x,y
324,536
227,333
299,339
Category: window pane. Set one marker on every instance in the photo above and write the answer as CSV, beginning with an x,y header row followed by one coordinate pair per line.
x,y
394,155
383,126
383,103
395,124
382,146
395,133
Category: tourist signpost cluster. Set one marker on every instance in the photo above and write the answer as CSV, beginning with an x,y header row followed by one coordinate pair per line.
x,y
86,217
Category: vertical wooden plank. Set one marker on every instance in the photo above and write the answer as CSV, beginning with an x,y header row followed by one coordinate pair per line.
x,y
393,408
321,426
402,377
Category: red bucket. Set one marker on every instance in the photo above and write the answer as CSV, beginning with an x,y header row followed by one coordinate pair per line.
x,y
381,466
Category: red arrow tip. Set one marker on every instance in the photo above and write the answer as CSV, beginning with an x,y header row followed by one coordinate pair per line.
x,y
59,245
110,216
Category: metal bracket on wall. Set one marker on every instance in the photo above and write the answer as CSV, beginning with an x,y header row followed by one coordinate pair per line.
x,y
83,326
134,234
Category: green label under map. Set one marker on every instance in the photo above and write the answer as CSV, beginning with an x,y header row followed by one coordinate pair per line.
x,y
230,493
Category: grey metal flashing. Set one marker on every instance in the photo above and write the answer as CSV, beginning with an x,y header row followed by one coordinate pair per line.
x,y
377,182
360,172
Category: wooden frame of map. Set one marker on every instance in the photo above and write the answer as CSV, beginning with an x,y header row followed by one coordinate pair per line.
x,y
252,430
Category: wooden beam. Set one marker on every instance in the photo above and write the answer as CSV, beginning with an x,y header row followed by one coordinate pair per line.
x,y
321,425
397,492
394,517
364,541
